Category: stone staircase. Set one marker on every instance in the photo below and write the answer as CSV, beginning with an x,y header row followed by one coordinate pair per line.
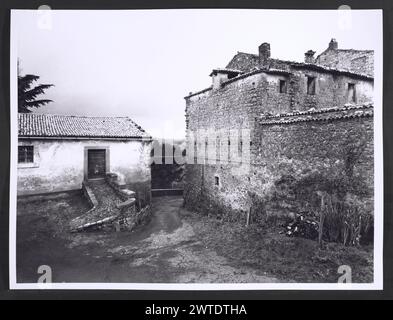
x,y
113,206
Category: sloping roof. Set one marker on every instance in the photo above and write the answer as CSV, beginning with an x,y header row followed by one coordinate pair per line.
x,y
225,70
64,126
339,51
300,65
248,62
333,70
358,61
243,61
327,114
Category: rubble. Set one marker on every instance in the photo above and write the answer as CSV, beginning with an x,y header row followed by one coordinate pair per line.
x,y
302,226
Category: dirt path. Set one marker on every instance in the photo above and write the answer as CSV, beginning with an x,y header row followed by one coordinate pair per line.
x,y
173,244
164,251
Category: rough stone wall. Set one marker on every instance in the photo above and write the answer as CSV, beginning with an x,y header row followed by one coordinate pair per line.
x,y
215,109
331,90
282,156
239,101
59,165
229,198
317,145
236,105
334,150
357,61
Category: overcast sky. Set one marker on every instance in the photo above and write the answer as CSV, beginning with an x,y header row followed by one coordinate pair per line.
x,y
142,63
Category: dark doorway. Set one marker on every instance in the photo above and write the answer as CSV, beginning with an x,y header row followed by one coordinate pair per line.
x,y
96,163
351,93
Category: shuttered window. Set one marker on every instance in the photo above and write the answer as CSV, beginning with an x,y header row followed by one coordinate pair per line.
x,y
25,154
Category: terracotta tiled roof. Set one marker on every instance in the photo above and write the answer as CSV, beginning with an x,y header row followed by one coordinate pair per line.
x,y
327,114
64,126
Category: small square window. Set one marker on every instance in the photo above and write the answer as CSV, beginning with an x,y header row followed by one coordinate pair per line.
x,y
311,85
25,154
283,86
216,181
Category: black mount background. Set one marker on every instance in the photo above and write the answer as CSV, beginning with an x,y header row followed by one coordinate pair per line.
x,y
6,5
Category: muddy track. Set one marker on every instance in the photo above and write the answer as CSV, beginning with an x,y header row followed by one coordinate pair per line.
x,y
166,250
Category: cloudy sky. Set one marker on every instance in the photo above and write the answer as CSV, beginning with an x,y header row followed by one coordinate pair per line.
x,y
142,63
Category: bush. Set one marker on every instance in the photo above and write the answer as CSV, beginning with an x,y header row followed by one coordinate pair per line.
x,y
346,221
347,215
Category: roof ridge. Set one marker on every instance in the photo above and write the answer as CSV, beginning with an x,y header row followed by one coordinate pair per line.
x,y
360,50
72,115
55,125
251,54
314,111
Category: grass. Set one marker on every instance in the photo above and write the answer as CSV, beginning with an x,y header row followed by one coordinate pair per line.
x,y
289,259
43,239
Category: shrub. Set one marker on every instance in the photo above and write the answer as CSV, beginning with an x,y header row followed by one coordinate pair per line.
x,y
346,221
347,215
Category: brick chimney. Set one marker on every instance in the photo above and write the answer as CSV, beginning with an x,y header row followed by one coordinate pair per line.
x,y
264,53
333,44
309,56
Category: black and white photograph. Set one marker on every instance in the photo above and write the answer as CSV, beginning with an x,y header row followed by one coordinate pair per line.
x,y
198,149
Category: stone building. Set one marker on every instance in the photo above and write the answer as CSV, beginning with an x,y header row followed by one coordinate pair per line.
x,y
358,61
298,126
57,153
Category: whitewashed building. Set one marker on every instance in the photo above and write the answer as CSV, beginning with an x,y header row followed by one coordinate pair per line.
x,y
57,153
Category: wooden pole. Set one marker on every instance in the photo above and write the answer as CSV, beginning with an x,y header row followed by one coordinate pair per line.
x,y
321,220
248,217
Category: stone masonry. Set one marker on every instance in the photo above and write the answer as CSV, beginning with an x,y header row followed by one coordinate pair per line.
x,y
113,207
307,120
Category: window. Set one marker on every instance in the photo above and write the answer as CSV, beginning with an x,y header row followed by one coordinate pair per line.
x,y
206,151
218,148
283,86
310,85
216,181
195,153
241,148
25,154
229,150
351,92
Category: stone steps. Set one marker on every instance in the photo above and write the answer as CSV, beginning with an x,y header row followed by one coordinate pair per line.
x,y
111,206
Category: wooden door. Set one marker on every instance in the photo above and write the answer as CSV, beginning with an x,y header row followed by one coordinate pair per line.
x,y
96,163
